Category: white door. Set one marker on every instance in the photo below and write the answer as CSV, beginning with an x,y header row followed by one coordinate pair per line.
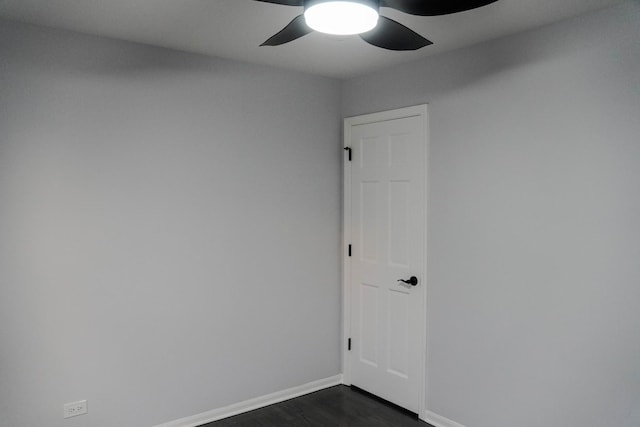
x,y
386,227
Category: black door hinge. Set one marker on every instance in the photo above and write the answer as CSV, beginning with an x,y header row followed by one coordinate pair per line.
x,y
349,150
349,250
349,344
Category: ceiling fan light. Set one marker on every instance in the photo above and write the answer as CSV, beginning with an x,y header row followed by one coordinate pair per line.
x,y
341,17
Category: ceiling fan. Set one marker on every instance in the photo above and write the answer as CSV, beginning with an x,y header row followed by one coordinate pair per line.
x,y
362,17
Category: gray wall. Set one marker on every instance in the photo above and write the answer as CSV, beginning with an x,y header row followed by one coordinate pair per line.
x,y
169,230
534,222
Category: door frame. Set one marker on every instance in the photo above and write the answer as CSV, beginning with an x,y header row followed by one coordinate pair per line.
x,y
422,112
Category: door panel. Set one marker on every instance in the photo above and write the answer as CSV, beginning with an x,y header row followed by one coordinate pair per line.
x,y
387,219
368,321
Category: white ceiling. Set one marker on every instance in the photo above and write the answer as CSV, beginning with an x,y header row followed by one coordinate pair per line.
x,y
235,28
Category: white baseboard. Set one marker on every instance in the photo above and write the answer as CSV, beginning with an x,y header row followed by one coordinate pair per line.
x,y
255,403
438,420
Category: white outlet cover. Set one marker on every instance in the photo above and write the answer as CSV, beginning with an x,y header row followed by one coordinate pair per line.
x,y
75,408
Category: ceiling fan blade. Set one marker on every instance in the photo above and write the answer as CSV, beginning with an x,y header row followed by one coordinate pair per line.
x,y
434,7
296,29
285,2
392,35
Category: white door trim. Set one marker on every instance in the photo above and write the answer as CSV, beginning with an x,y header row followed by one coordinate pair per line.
x,y
420,111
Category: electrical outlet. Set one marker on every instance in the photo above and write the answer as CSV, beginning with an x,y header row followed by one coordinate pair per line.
x,y
75,408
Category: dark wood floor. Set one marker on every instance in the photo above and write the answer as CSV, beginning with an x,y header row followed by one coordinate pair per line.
x,y
338,406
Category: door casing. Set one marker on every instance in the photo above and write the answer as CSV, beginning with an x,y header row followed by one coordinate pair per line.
x,y
421,111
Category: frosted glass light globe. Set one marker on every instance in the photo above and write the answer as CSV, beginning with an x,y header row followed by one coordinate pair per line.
x,y
341,17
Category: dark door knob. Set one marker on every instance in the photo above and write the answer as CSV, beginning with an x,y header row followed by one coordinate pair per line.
x,y
413,281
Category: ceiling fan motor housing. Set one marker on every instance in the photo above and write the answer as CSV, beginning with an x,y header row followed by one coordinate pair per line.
x,y
342,17
375,4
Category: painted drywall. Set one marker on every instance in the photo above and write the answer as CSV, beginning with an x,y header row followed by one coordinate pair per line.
x,y
534,222
169,230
